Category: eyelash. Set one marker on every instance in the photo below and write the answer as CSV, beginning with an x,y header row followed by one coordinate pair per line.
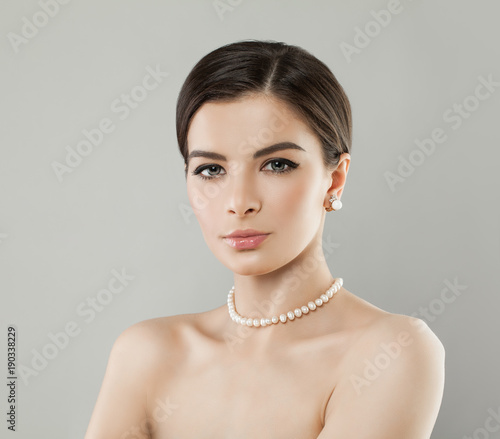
x,y
291,166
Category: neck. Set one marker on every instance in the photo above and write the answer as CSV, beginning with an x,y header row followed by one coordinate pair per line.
x,y
294,285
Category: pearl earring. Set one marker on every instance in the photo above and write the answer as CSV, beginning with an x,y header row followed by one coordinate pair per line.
x,y
335,204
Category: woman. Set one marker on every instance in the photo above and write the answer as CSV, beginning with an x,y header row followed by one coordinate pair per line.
x,y
265,132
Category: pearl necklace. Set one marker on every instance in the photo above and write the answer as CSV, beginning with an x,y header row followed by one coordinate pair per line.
x,y
290,315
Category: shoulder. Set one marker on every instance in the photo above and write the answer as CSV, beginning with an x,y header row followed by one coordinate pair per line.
x,y
394,324
156,339
150,337
133,365
393,381
399,343
376,328
411,334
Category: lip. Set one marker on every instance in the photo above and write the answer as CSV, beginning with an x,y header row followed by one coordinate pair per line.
x,y
245,233
245,243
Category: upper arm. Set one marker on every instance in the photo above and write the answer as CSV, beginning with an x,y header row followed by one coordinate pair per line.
x,y
393,389
122,400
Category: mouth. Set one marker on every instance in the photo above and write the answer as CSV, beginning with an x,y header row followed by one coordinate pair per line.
x,y
245,233
245,239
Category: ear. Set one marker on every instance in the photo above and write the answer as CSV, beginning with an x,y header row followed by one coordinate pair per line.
x,y
339,176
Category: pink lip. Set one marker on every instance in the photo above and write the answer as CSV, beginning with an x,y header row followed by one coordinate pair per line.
x,y
245,233
248,242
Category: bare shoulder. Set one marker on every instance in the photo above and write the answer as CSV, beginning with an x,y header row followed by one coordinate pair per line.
x,y
134,366
388,343
153,338
411,333
379,326
392,383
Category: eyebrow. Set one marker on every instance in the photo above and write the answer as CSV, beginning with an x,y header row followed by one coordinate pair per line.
x,y
261,152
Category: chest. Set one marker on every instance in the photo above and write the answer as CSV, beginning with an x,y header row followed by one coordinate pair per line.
x,y
215,397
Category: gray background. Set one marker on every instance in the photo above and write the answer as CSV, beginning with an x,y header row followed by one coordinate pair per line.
x,y
126,205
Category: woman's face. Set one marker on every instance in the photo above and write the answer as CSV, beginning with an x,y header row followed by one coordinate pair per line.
x,y
234,184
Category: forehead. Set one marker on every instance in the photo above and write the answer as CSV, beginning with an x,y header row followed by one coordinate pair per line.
x,y
257,120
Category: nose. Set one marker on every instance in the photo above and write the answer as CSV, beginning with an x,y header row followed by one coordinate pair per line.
x,y
242,195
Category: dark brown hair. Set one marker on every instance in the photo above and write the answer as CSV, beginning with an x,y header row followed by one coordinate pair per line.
x,y
284,71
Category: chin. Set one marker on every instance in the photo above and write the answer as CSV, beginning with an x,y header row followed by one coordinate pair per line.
x,y
247,264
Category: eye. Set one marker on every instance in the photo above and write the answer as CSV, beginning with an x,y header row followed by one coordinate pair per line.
x,y
213,171
280,166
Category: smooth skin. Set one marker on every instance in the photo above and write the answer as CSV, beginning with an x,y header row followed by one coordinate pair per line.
x,y
348,370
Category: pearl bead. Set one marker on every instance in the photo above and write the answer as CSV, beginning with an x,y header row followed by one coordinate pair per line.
x,y
311,306
318,302
275,319
290,315
268,321
324,298
249,322
283,318
263,322
304,309
297,312
256,322
336,205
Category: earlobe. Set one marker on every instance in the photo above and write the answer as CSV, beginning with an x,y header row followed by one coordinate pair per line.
x,y
335,203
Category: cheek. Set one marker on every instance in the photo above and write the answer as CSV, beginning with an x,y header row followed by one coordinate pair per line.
x,y
300,204
203,200
299,196
200,197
